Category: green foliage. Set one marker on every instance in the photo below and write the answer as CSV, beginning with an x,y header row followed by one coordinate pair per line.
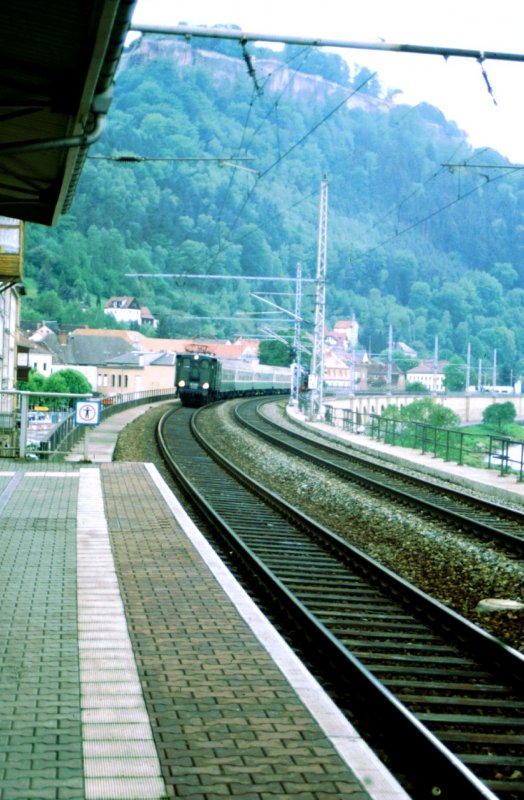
x,y
459,275
404,362
35,383
416,387
65,381
427,410
73,381
499,415
391,412
274,353
455,375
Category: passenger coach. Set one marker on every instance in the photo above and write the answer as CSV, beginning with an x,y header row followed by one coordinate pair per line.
x,y
202,378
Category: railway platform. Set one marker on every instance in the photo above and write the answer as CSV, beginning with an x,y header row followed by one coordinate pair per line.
x,y
497,486
134,666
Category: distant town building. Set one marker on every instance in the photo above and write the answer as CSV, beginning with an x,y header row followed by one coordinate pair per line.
x,y
337,374
430,374
128,310
405,349
344,334
121,361
137,372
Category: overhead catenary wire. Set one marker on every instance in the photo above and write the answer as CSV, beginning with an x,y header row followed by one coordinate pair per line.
x,y
245,142
445,52
301,141
437,211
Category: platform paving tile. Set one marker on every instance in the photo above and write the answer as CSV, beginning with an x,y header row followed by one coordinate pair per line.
x,y
40,731
225,721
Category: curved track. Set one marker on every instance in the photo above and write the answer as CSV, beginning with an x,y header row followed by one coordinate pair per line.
x,y
447,697
481,516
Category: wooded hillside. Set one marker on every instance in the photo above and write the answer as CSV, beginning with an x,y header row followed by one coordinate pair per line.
x,y
428,248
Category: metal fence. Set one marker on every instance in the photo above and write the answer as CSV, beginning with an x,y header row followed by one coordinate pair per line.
x,y
40,425
451,444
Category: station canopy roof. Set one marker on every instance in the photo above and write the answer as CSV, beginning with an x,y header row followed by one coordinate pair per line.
x,y
58,59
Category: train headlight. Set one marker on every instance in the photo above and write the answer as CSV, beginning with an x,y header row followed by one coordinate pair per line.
x,y
205,385
181,384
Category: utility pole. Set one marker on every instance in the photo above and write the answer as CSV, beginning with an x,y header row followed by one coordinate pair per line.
x,y
435,365
468,366
317,361
389,375
295,366
494,368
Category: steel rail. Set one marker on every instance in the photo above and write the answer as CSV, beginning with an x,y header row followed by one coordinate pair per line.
x,y
480,515
377,634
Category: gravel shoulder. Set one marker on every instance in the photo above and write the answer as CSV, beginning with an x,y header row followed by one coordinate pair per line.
x,y
443,562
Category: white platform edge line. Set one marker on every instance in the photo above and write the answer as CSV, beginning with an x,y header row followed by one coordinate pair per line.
x,y
93,540
379,783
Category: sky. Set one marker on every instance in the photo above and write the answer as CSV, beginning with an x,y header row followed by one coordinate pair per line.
x,y
456,85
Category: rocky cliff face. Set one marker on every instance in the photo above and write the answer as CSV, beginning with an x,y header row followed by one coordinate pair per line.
x,y
275,76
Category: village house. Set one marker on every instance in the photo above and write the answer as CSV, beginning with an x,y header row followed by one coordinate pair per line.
x,y
430,374
128,310
337,374
344,334
136,372
121,361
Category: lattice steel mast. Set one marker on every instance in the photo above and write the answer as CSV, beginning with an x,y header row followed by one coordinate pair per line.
x,y
295,365
317,361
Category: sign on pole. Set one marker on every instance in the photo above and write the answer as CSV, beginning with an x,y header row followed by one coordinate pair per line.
x,y
87,412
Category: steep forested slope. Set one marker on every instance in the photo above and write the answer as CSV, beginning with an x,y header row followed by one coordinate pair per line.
x,y
429,249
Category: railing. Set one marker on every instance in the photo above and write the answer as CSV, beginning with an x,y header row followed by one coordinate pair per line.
x,y
43,425
451,444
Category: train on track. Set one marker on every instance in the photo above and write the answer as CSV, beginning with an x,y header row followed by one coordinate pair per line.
x,y
203,378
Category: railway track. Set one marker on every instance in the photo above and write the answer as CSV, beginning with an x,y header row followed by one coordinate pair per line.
x,y
441,697
480,516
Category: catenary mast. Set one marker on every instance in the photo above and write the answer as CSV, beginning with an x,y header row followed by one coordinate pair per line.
x,y
317,361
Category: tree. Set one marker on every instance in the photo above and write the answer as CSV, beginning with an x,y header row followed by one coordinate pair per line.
x,y
404,362
66,381
72,379
416,387
35,383
455,375
274,353
499,414
426,410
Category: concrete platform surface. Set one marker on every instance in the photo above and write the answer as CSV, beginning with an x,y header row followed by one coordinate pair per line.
x,y
134,666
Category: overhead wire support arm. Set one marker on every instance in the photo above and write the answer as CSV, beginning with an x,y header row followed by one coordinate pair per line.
x,y
245,36
132,159
214,277
464,165
274,305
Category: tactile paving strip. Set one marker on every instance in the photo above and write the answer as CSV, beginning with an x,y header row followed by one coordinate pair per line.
x,y
119,757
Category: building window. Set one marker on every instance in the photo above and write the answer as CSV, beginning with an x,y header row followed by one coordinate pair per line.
x,y
126,381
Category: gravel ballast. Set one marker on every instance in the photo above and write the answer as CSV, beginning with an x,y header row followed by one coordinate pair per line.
x,y
446,563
